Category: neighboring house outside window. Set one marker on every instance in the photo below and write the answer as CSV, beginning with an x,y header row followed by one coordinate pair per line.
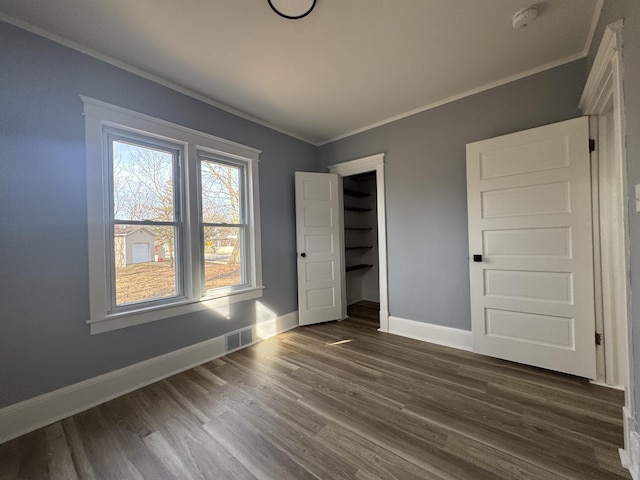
x,y
134,244
173,219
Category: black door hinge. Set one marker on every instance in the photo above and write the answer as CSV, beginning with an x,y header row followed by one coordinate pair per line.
x,y
592,145
598,338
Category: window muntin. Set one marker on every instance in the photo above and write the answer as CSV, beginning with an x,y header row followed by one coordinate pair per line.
x,y
223,223
145,220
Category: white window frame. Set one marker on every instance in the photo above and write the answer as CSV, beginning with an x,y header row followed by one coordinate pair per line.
x,y
100,115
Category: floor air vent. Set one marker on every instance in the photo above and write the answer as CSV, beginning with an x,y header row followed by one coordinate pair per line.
x,y
239,339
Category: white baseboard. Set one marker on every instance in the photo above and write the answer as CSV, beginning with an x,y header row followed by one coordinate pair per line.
x,y
630,454
37,412
428,332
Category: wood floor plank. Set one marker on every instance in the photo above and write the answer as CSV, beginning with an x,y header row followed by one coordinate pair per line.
x,y
263,459
161,448
423,449
562,460
301,448
496,461
59,454
79,454
579,421
107,455
33,457
183,438
372,460
129,433
339,401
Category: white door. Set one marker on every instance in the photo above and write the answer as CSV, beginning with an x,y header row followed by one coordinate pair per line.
x,y
320,247
529,207
140,253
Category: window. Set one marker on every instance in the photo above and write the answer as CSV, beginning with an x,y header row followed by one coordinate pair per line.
x,y
223,223
173,219
145,215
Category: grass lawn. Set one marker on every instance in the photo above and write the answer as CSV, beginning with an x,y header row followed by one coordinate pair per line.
x,y
147,281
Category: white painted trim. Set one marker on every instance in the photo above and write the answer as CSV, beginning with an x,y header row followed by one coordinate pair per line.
x,y
118,116
630,455
597,254
37,412
603,384
137,317
362,165
453,98
601,71
429,332
146,75
359,165
603,93
99,114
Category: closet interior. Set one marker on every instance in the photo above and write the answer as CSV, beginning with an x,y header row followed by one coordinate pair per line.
x,y
361,242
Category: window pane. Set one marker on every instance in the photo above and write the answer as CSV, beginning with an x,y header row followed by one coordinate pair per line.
x,y
221,194
223,257
142,182
145,267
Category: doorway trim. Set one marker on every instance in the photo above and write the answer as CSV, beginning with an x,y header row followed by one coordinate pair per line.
x,y
603,91
374,163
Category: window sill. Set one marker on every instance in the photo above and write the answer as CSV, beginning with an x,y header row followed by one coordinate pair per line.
x,y
128,319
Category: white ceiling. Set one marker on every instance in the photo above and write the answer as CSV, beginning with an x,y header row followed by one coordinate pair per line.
x,y
349,65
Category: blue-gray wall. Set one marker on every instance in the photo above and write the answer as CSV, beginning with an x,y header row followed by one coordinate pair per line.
x,y
426,184
44,341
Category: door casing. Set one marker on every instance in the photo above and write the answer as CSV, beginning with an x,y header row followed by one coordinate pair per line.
x,y
362,165
603,97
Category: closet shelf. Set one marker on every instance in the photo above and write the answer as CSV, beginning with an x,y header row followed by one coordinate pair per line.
x,y
361,266
355,193
358,209
363,247
358,228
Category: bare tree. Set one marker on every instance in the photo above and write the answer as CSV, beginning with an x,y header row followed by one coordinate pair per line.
x,y
221,203
143,190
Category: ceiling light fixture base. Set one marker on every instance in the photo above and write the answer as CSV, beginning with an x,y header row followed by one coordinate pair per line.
x,y
292,9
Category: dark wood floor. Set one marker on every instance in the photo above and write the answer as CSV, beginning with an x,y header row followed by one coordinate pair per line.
x,y
338,401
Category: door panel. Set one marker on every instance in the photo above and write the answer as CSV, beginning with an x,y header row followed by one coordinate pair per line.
x,y
319,245
536,286
532,328
527,200
529,206
528,242
539,156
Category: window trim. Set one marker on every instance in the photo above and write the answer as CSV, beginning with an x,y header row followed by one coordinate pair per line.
x,y
100,115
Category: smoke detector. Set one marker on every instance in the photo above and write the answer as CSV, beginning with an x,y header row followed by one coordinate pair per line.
x,y
524,18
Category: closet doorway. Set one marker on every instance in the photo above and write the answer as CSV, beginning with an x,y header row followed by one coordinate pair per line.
x,y
365,242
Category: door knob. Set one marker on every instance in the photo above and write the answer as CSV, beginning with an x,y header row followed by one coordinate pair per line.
x,y
303,255
477,258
